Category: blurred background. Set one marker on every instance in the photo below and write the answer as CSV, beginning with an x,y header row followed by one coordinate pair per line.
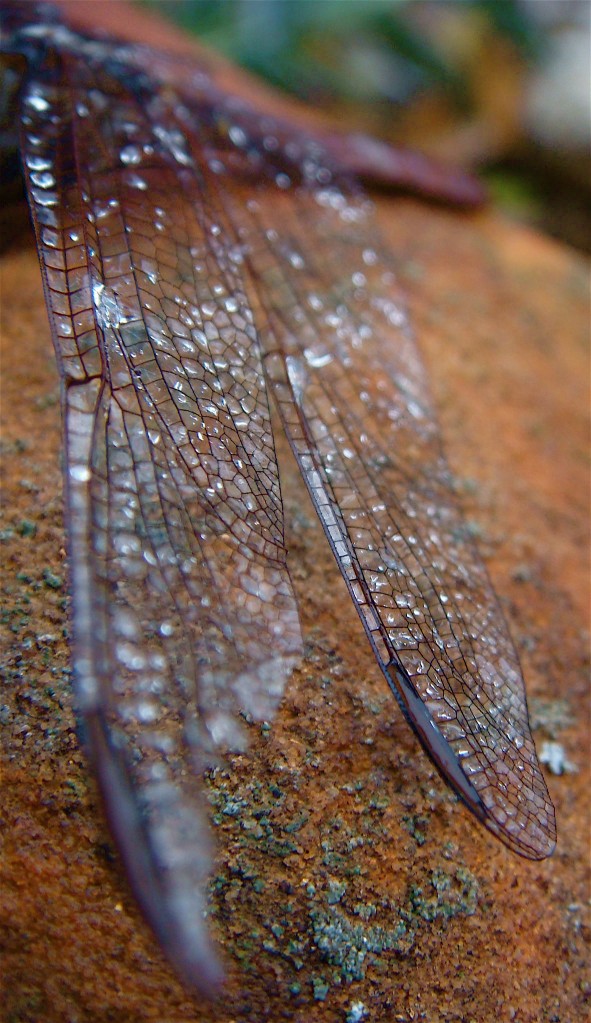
x,y
500,87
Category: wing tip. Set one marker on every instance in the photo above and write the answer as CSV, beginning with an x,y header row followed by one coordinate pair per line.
x,y
174,911
535,841
196,964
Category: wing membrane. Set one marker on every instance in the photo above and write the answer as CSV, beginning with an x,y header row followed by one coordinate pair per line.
x,y
355,405
199,259
184,615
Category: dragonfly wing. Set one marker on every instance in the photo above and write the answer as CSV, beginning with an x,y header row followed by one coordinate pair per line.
x,y
183,611
197,258
347,378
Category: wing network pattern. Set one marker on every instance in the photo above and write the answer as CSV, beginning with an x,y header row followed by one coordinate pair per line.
x,y
201,261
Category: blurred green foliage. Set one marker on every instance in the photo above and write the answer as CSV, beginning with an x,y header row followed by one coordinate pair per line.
x,y
451,77
358,50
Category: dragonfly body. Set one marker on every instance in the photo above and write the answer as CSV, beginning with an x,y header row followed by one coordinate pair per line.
x,y
204,264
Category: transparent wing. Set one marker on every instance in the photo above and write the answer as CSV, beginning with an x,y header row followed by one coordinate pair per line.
x,y
197,259
183,612
345,373
343,368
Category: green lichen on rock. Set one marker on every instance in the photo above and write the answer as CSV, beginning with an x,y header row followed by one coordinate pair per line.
x,y
52,580
253,807
305,900
351,945
320,988
356,1013
336,890
416,825
27,528
347,945
447,895
550,716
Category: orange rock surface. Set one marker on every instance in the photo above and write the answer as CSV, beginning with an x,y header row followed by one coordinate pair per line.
x,y
350,883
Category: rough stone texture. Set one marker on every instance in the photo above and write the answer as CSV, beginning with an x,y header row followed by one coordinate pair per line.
x,y
337,839
349,879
